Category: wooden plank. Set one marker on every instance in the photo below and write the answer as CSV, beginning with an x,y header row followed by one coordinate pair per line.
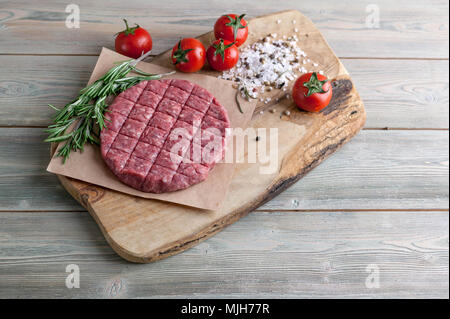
x,y
376,170
24,95
24,182
402,94
415,28
397,94
275,255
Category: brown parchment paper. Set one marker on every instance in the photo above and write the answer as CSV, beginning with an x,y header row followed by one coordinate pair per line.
x,y
89,166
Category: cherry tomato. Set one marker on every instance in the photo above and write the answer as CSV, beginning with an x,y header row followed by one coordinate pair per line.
x,y
133,42
222,55
312,92
189,55
232,28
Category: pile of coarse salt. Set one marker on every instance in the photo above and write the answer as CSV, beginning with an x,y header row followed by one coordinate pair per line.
x,y
268,64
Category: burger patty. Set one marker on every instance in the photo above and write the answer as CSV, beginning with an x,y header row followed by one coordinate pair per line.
x,y
164,135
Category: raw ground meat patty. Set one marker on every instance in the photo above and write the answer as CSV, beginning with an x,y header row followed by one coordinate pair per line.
x,y
164,135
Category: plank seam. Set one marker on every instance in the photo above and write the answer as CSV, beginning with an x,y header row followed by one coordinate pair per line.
x,y
152,56
408,210
399,210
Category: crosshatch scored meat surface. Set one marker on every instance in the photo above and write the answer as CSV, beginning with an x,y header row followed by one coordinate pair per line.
x,y
159,134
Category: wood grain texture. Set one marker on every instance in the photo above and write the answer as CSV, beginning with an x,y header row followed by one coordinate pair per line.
x,y
396,93
376,170
416,28
328,252
403,94
42,80
276,255
380,169
23,159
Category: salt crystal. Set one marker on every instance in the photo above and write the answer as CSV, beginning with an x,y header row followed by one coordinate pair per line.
x,y
264,65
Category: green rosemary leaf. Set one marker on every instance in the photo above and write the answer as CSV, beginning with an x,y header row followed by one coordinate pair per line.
x,y
87,111
54,107
140,72
58,138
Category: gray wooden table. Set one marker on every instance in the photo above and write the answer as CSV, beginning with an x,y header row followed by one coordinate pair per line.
x,y
379,207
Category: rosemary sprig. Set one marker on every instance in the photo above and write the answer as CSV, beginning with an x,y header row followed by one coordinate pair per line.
x,y
246,95
84,113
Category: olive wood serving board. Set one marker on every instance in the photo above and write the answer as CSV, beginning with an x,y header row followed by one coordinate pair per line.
x,y
143,230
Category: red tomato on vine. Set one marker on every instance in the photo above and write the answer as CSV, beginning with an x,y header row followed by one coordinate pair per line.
x,y
312,92
222,55
133,42
232,28
189,55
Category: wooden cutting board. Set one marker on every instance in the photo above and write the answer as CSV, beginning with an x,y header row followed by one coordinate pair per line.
x,y
143,230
